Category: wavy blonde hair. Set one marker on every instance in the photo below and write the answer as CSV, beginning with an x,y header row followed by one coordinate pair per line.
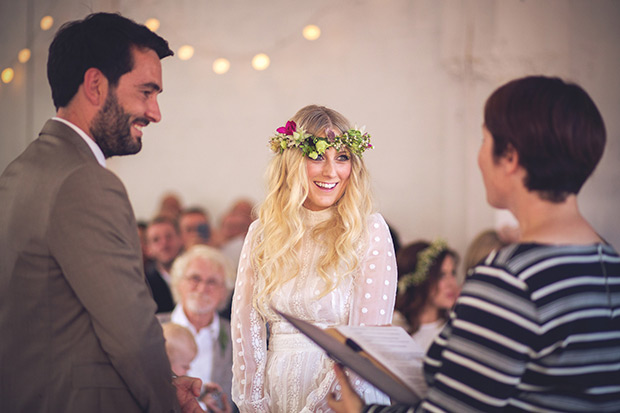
x,y
277,241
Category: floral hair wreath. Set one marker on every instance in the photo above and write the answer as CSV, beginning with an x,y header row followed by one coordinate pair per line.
x,y
289,136
426,258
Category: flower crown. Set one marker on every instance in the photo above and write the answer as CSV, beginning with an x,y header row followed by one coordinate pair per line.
x,y
426,258
290,136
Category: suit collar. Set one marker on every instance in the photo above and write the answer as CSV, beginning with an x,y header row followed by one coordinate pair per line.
x,y
94,148
65,133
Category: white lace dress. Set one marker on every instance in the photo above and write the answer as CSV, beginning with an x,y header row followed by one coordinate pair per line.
x,y
295,375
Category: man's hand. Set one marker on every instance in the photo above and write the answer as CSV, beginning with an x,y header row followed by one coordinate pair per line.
x,y
188,389
349,401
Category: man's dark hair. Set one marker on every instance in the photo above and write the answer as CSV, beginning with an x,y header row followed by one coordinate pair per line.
x,y
555,128
103,41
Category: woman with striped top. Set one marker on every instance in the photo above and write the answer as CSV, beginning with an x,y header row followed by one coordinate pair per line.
x,y
537,326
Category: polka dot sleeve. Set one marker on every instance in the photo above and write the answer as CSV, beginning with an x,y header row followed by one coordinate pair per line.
x,y
375,290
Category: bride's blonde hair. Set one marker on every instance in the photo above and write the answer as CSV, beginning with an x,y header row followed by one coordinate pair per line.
x,y
280,229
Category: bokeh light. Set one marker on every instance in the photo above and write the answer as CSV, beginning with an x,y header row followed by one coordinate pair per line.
x,y
7,75
47,22
311,32
153,24
24,55
221,66
261,61
186,52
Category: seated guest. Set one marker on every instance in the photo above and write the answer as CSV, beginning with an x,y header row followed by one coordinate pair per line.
x,y
427,288
164,244
199,285
146,259
537,326
194,227
170,206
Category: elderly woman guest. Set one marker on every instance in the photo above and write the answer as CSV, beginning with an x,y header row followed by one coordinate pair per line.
x,y
317,252
537,325
427,288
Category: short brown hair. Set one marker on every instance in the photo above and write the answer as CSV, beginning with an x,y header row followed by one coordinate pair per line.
x,y
555,128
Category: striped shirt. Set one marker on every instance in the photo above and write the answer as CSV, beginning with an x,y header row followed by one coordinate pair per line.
x,y
536,328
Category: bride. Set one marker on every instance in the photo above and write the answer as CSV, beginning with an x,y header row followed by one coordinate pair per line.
x,y
317,252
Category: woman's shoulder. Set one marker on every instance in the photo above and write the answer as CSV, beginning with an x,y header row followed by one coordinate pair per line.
x,y
523,260
376,221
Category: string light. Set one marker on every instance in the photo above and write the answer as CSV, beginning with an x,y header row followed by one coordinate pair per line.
x,y
261,61
186,52
221,66
7,75
153,24
47,22
311,32
24,55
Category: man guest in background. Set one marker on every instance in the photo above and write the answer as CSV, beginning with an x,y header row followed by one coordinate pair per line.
x,y
78,327
164,244
201,282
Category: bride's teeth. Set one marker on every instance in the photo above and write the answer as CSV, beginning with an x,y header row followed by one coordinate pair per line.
x,y
325,185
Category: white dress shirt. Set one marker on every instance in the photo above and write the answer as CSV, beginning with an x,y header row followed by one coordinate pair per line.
x,y
202,365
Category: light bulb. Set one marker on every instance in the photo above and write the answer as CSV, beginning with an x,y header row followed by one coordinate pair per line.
x,y
7,75
47,22
260,61
311,32
221,66
186,52
152,24
24,55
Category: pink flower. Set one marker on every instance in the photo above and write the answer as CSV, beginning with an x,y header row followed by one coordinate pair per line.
x,y
331,136
288,129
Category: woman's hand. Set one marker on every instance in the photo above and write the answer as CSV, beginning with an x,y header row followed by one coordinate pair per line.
x,y
349,401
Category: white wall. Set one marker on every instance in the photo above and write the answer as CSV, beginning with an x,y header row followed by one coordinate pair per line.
x,y
415,72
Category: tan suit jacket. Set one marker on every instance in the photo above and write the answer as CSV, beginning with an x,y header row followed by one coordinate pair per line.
x,y
77,321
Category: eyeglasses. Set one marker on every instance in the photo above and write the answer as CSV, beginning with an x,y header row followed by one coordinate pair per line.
x,y
195,280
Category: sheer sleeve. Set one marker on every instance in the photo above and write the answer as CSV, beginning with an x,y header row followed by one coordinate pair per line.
x,y
249,338
375,290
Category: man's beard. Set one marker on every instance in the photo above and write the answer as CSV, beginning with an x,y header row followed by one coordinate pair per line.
x,y
199,304
111,129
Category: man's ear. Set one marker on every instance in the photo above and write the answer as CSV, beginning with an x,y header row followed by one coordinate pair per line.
x,y
95,86
510,159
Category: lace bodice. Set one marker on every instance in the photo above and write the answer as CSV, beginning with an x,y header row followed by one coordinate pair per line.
x,y
367,298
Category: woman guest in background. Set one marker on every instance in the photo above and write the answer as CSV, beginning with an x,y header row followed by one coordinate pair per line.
x,y
537,325
317,252
427,288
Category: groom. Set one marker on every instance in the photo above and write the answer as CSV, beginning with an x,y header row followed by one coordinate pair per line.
x,y
78,327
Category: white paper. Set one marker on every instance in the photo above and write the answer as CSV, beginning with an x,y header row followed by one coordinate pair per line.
x,y
393,348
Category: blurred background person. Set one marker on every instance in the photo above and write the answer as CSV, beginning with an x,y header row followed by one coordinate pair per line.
x,y
200,285
146,258
164,245
427,288
180,347
194,227
170,206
